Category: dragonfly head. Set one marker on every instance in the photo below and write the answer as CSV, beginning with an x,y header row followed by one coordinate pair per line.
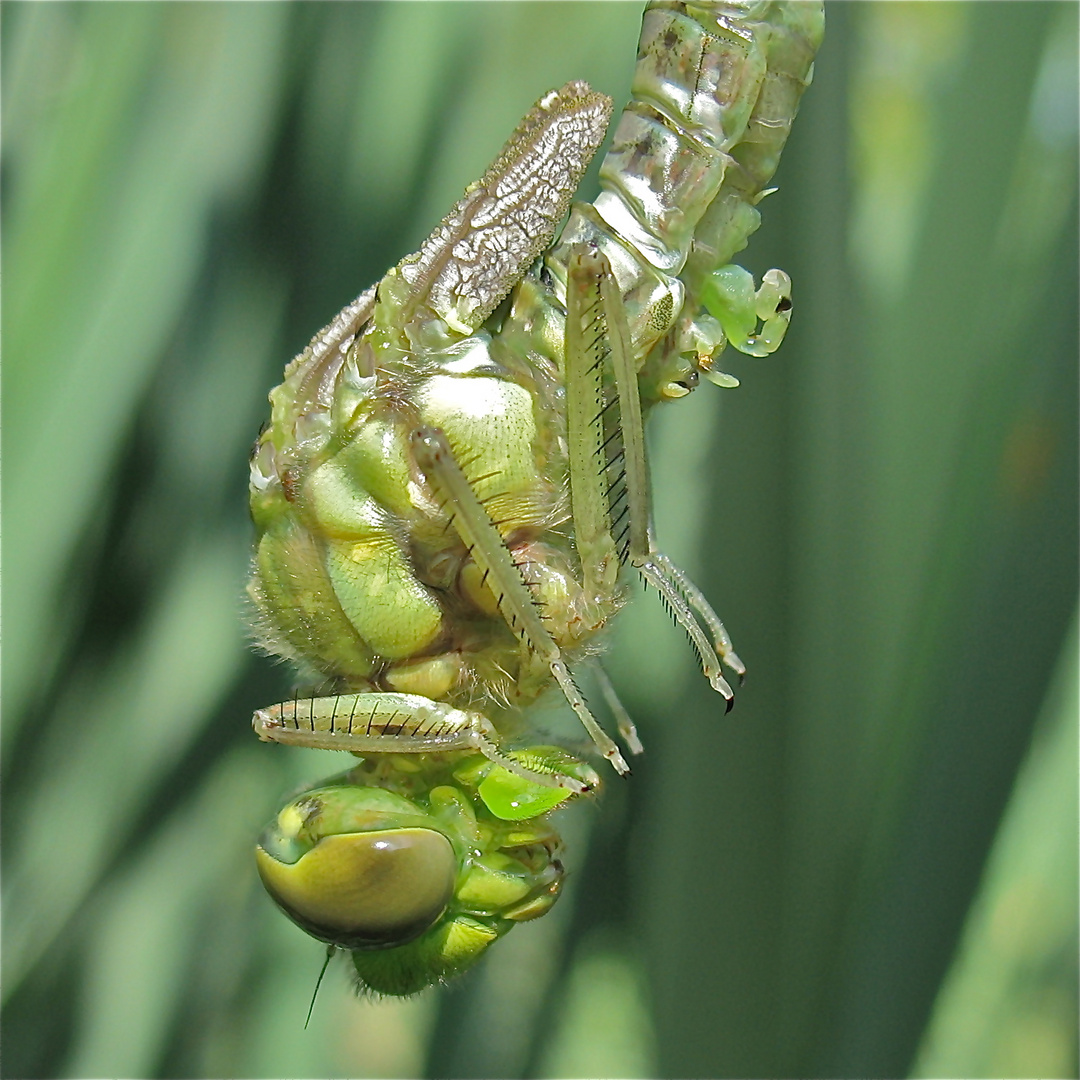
x,y
358,867
417,883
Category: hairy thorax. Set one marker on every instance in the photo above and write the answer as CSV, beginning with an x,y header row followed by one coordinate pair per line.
x,y
357,572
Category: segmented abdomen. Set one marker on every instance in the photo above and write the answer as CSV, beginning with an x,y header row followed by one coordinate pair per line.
x,y
715,91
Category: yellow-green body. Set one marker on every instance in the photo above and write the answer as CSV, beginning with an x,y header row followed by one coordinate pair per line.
x,y
454,473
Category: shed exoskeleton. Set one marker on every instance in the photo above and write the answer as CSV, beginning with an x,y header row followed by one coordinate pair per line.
x,y
455,471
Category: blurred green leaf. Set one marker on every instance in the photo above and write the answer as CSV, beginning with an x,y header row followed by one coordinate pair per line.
x,y
1008,1006
159,115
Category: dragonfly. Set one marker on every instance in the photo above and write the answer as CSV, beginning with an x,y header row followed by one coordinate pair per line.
x,y
453,485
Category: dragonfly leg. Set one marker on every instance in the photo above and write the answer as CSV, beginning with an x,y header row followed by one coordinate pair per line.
x,y
516,603
391,723
626,726
590,450
599,323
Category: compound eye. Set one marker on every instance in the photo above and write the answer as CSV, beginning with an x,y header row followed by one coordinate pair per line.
x,y
366,889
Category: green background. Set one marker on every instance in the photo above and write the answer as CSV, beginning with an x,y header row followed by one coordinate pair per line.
x,y
869,869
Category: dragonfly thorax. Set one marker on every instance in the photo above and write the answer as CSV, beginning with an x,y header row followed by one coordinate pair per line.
x,y
380,591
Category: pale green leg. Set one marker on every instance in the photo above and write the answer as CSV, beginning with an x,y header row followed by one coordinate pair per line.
x,y
678,591
585,356
586,353
516,604
698,602
391,723
626,726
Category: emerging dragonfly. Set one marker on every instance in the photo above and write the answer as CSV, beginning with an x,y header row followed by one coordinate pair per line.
x,y
454,474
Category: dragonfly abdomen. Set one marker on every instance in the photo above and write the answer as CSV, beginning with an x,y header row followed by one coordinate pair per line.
x,y
715,91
